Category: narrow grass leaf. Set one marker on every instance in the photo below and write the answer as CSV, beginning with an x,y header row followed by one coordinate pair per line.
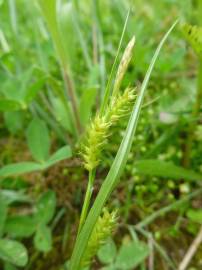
x,y
111,76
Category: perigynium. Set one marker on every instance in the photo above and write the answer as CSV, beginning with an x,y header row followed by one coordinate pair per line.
x,y
99,130
95,140
104,228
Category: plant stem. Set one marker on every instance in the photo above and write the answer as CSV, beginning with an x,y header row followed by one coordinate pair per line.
x,y
88,195
191,251
72,96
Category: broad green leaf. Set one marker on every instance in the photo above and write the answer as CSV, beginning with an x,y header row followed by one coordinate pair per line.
x,y
61,114
43,238
38,139
195,215
87,101
193,34
116,169
14,121
45,207
8,266
33,90
20,226
110,267
19,168
13,252
154,167
7,105
10,196
16,183
107,253
3,214
63,153
131,255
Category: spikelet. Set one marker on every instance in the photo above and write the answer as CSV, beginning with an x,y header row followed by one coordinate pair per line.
x,y
96,138
121,105
126,58
98,132
102,231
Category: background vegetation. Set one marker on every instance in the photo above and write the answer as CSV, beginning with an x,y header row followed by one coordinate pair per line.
x,y
55,62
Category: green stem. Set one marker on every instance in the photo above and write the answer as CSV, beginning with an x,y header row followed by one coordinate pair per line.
x,y
87,199
72,96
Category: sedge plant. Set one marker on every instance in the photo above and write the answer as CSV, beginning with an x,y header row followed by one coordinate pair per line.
x,y
97,223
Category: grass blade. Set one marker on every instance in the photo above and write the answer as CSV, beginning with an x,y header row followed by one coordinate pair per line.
x,y
116,168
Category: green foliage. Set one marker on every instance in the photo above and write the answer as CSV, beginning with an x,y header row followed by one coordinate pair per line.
x,y
14,121
27,167
19,168
20,226
50,99
107,252
132,254
9,105
43,238
116,169
195,215
129,256
86,103
13,252
24,226
45,207
3,214
165,169
38,139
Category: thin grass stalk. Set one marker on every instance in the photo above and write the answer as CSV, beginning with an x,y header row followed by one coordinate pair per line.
x,y
116,169
87,198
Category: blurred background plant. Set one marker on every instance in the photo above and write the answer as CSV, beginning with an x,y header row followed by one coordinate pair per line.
x,y
54,65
